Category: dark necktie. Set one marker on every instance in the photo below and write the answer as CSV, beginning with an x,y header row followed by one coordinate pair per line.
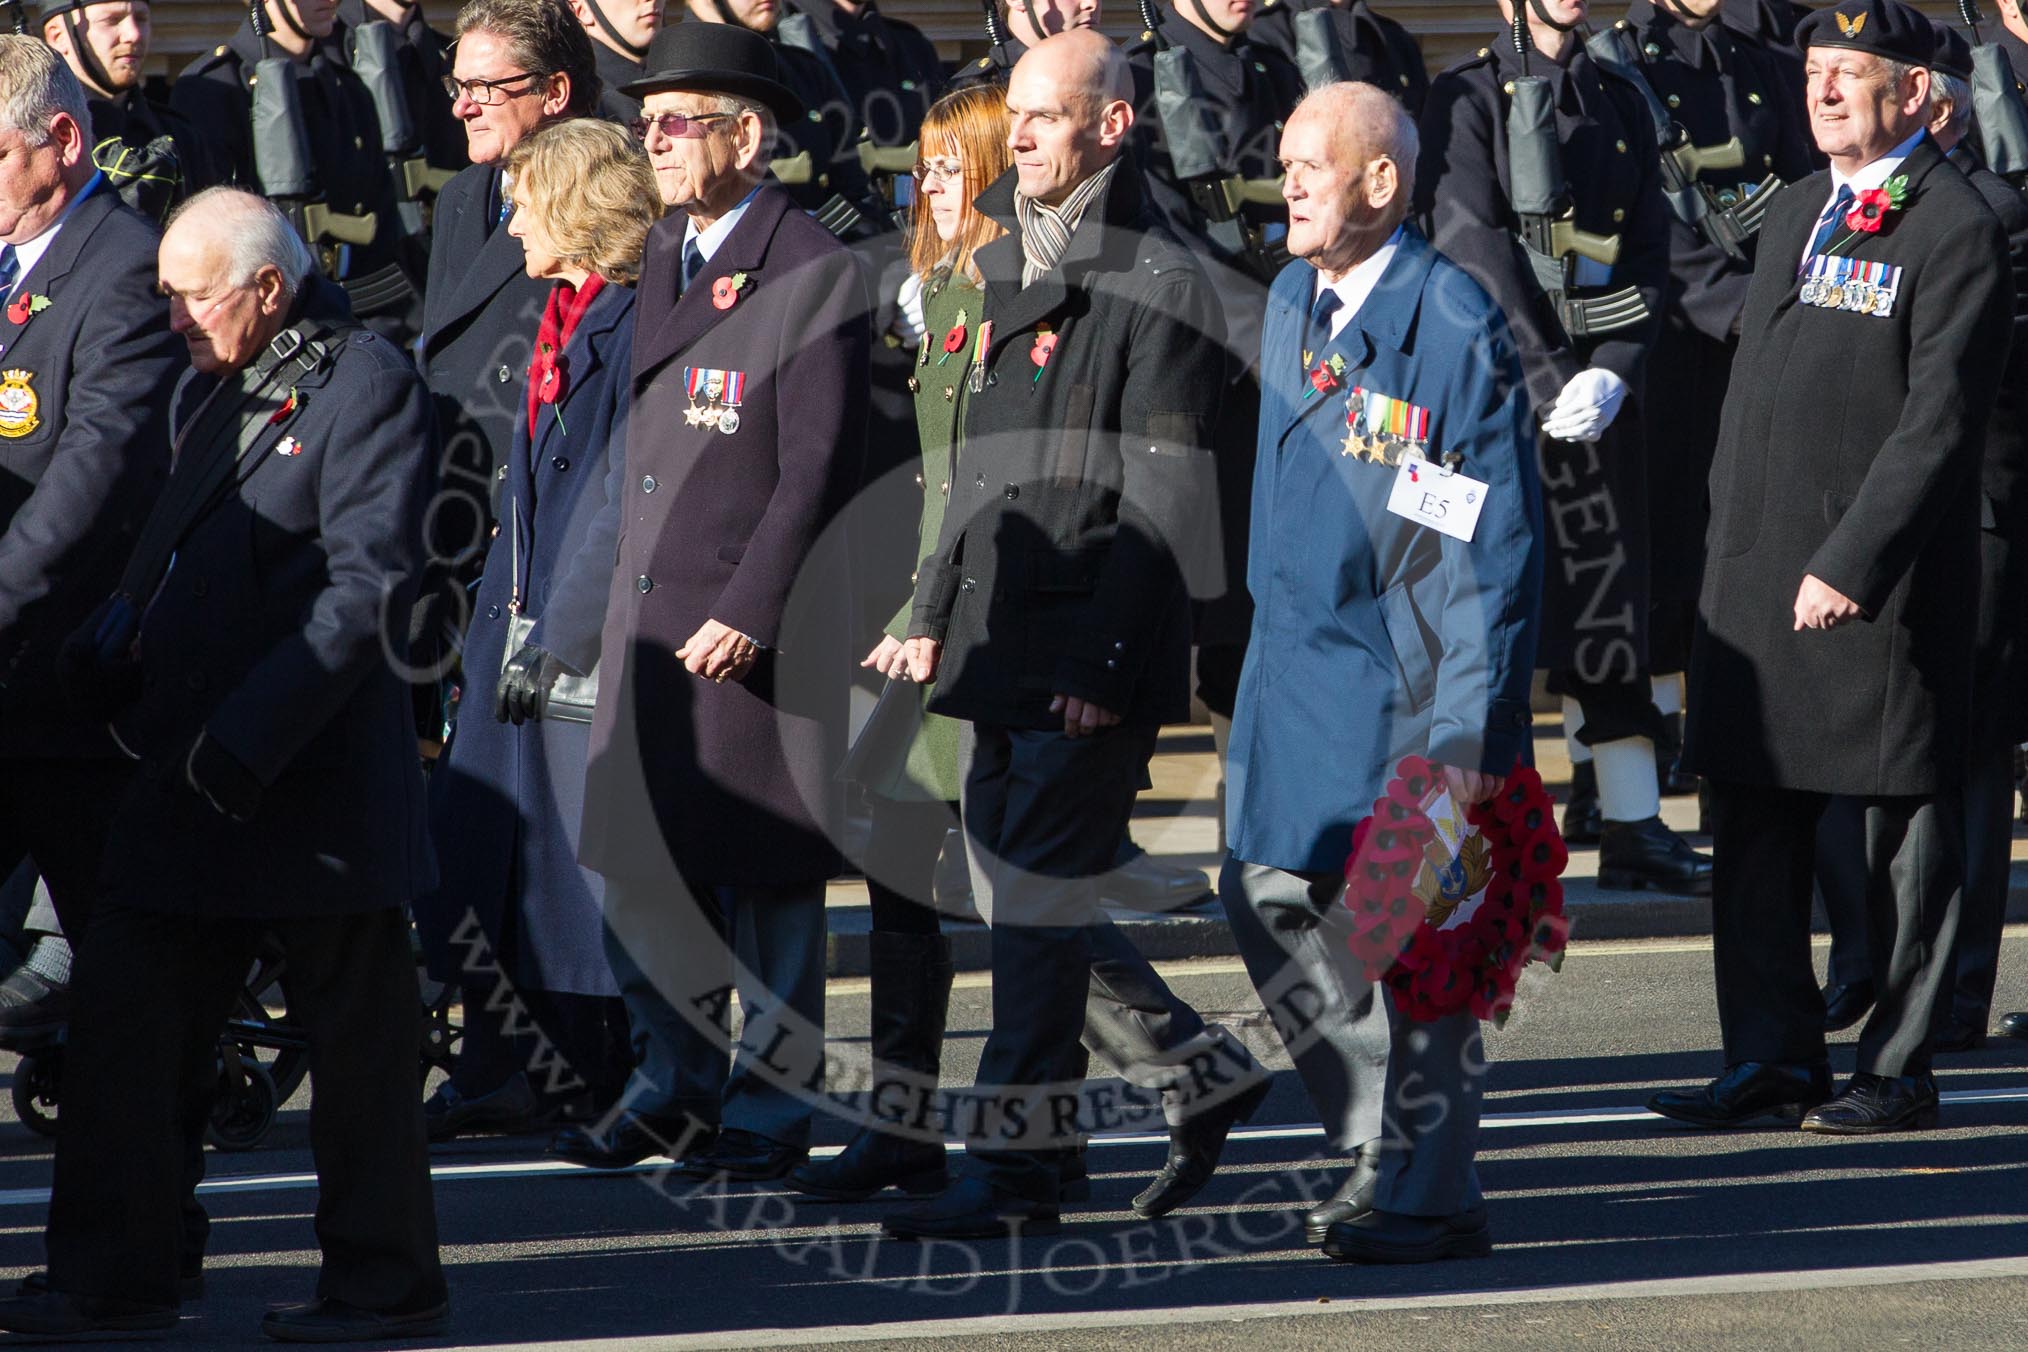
x,y
1832,220
693,263
10,269
1317,332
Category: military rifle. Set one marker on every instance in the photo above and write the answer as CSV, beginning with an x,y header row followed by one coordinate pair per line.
x,y
281,150
1998,114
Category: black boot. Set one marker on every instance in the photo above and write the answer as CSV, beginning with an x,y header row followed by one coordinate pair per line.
x,y
911,997
1634,855
1581,821
1669,774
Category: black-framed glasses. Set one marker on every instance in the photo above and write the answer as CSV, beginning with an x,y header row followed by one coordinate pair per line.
x,y
486,93
675,126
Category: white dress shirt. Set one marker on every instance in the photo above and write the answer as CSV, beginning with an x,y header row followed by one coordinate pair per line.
x,y
29,254
1356,285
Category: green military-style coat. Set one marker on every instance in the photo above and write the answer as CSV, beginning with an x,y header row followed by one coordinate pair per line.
x,y
931,772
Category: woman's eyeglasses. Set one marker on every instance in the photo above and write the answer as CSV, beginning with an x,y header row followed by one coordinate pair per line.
x,y
486,93
940,171
675,126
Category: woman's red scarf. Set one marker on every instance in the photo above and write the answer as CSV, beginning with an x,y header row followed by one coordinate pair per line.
x,y
548,372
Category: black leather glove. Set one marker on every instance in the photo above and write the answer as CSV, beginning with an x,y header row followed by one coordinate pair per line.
x,y
97,663
523,693
221,780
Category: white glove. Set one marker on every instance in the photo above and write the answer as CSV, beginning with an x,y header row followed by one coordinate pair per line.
x,y
1587,405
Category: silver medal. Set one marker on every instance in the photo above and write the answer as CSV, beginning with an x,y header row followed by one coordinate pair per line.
x,y
728,421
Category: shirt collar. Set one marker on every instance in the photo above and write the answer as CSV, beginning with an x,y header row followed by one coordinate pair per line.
x,y
29,253
1355,286
709,240
1876,172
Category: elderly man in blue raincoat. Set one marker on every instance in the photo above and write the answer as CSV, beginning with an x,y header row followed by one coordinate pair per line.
x,y
1396,568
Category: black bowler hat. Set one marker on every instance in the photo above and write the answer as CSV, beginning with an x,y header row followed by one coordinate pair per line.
x,y
1885,28
716,58
1953,53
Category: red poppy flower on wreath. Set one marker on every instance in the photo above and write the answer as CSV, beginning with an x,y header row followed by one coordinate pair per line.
x,y
1870,206
1470,956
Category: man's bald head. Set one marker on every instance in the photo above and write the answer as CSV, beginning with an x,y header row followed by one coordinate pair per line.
x,y
1348,164
1070,102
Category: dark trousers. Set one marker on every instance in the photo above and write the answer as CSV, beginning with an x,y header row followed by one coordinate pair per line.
x,y
1043,815
678,952
152,989
57,811
901,863
1764,846
1982,914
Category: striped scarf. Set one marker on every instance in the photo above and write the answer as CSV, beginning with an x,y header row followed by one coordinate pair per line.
x,y
1045,230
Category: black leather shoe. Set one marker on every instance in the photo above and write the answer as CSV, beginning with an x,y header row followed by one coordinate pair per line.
x,y
1354,1196
1194,1149
450,1112
1846,1004
1384,1237
1581,820
972,1208
633,1138
32,1006
55,1315
874,1161
1670,777
1747,1092
1875,1103
2013,1025
1959,1035
333,1321
189,1285
743,1157
1634,855
1144,883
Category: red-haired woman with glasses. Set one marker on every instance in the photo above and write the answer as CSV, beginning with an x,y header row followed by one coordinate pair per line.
x,y
964,148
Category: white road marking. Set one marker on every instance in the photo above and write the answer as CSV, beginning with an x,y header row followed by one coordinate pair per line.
x,y
1033,1323
453,1173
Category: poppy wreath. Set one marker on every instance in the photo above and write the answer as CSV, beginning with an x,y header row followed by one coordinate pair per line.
x,y
1435,971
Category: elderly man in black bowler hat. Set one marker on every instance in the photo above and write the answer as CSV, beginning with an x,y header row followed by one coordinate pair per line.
x,y
716,743
1837,627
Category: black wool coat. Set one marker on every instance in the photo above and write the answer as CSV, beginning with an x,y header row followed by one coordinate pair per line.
x,y
733,782
1850,450
278,633
84,447
2003,480
1378,50
1085,492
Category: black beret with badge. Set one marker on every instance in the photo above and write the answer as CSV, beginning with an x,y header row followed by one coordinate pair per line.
x,y
1885,28
1953,53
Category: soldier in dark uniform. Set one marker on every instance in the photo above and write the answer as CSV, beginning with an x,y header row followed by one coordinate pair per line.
x,y
2011,34
1584,344
361,244
425,60
1716,86
828,131
1248,91
152,156
1027,23
890,70
620,32
1375,49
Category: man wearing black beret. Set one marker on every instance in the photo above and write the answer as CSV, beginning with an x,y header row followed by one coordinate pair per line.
x,y
1836,629
1999,702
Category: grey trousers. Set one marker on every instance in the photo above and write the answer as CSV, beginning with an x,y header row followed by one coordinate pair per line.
x,y
1043,816
1371,1073
677,960
1911,852
1982,910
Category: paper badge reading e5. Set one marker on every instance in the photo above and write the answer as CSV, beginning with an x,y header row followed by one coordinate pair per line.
x,y
1441,499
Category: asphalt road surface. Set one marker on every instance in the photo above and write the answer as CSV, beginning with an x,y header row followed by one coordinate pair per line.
x,y
1613,1228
